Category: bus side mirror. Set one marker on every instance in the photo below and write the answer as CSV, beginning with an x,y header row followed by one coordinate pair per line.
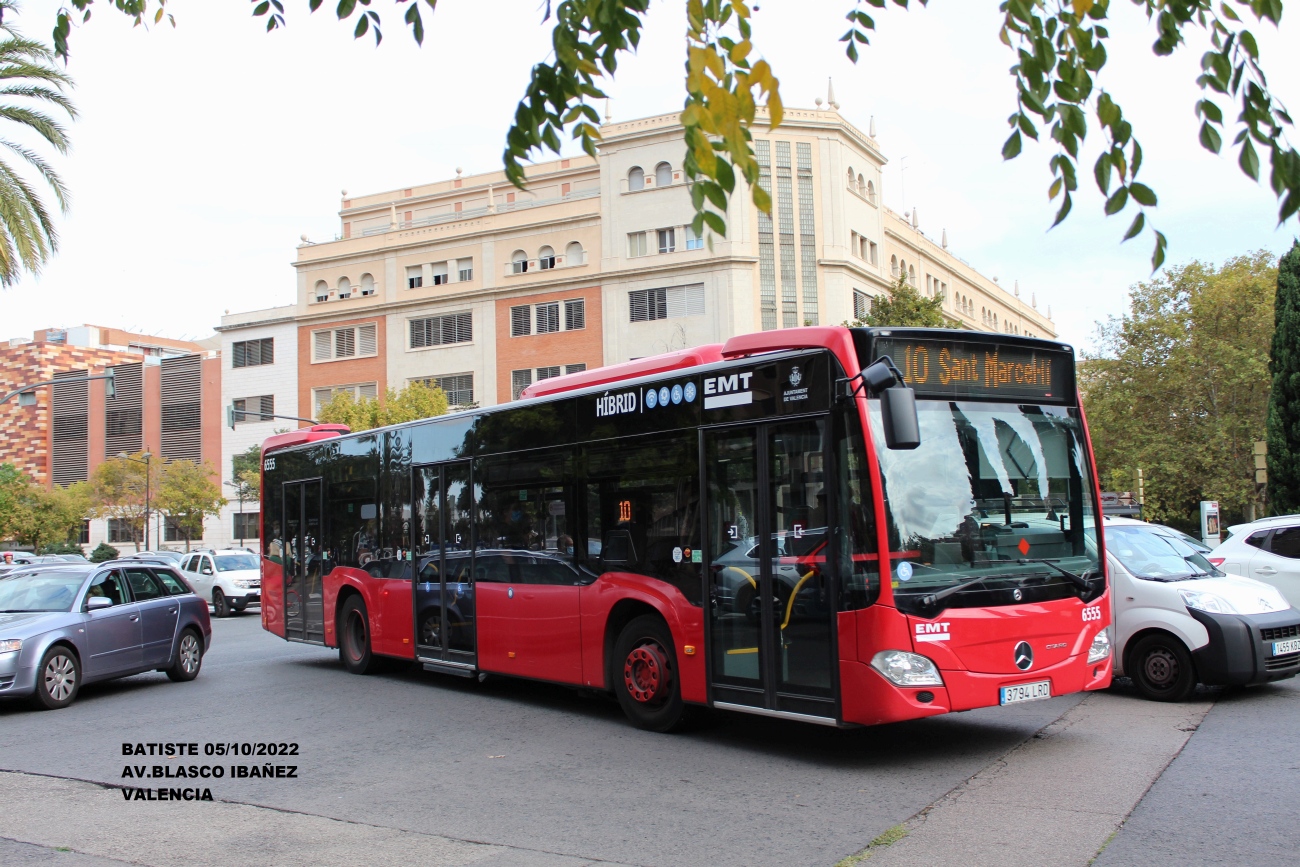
x,y
897,404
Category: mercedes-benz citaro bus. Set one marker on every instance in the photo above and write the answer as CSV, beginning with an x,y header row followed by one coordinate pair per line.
x,y
839,526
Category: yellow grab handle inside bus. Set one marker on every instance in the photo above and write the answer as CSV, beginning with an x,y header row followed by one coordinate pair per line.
x,y
789,605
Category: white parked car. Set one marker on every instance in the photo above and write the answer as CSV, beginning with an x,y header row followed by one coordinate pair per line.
x,y
230,579
1267,550
1180,621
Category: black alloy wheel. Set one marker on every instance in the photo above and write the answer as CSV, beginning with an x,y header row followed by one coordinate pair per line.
x,y
1161,668
354,637
189,657
58,678
645,676
431,629
220,605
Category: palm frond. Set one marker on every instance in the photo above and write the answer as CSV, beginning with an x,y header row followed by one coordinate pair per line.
x,y
43,94
47,171
21,226
48,128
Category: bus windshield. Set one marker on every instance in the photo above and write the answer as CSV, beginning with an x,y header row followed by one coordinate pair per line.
x,y
996,492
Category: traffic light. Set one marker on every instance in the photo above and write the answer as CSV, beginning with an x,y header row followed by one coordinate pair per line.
x,y
230,416
110,384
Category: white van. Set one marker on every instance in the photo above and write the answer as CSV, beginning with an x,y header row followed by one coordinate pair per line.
x,y
1179,620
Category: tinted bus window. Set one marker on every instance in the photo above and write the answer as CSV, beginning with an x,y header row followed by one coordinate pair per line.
x,y
524,502
642,503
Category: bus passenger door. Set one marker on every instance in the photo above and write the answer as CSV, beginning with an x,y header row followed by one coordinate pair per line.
x,y
770,601
442,521
304,605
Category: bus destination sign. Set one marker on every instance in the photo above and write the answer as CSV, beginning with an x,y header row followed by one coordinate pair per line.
x,y
956,368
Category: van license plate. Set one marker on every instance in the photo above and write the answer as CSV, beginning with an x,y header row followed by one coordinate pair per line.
x,y
1281,647
1026,692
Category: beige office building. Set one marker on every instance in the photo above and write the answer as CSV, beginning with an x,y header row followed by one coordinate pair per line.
x,y
482,289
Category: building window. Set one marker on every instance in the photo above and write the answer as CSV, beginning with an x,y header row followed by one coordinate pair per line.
x,y
519,380
862,186
119,530
546,258
694,241
322,291
636,244
518,262
575,314
547,372
353,342
635,179
84,538
663,175
440,277
248,525
251,409
649,304
252,353
414,277
521,320
893,266
861,305
667,240
871,252
367,285
871,192
360,392
442,330
851,177
172,531
548,318
574,368
466,270
345,288
573,255
459,387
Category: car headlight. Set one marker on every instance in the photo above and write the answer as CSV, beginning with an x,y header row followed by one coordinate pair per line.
x,y
906,669
11,645
1100,646
1210,602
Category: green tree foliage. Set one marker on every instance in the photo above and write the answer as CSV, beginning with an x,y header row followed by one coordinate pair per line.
x,y
118,490
903,306
186,495
246,473
34,515
30,86
416,401
103,552
1181,387
1284,398
1060,49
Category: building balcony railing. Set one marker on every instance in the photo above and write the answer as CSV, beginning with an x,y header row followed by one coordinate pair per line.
x,y
503,207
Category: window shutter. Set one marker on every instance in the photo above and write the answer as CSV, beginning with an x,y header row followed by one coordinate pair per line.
x,y
268,350
574,368
575,315
345,343
268,407
639,302
368,340
519,380
547,372
239,354
369,391
322,349
521,323
694,300
240,406
419,333
548,318
464,327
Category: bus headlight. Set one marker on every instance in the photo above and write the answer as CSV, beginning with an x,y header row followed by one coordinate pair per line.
x,y
1100,646
906,669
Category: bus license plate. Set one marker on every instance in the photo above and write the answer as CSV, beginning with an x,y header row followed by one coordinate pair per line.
x,y
1281,647
1026,692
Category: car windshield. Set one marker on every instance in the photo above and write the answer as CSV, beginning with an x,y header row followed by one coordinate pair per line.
x,y
1157,556
39,591
236,562
999,492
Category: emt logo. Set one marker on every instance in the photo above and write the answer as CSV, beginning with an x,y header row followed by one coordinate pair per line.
x,y
932,632
728,390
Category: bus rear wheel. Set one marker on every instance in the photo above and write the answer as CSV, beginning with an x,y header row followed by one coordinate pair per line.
x,y
354,637
646,678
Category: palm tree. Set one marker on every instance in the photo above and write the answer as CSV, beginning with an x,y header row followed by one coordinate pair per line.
x,y
29,84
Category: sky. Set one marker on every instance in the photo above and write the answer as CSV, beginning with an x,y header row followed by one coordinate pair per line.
x,y
203,152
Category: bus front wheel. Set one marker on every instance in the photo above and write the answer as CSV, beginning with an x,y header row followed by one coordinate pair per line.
x,y
646,677
354,637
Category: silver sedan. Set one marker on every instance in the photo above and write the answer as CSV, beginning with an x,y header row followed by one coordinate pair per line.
x,y
65,625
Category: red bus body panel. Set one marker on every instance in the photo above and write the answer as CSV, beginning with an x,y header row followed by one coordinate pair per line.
x,y
530,630
272,597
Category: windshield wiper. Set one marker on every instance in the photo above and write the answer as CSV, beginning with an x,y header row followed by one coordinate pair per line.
x,y
1075,578
956,588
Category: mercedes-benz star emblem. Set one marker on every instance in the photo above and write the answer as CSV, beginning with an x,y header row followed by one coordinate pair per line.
x,y
1024,656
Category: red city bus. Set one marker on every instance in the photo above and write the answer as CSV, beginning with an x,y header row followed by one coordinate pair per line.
x,y
840,526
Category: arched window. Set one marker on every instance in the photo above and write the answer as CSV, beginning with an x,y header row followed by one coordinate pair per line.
x,y
663,175
367,285
862,186
851,177
546,258
911,275
573,255
995,320
871,191
518,262
345,287
893,265
635,179
322,291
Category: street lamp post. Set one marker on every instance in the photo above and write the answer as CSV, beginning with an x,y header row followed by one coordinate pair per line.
x,y
147,457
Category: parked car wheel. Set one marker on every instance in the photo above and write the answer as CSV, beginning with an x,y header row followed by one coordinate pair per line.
x,y
220,605
57,679
354,637
1161,668
189,657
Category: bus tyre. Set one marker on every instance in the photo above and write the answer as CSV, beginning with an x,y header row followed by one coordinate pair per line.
x,y
354,637
646,678
1161,668
220,606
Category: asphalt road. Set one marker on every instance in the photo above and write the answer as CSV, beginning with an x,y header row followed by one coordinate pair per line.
x,y
538,768
1230,796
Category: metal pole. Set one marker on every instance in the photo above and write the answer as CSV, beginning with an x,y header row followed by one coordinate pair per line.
x,y
240,489
148,457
